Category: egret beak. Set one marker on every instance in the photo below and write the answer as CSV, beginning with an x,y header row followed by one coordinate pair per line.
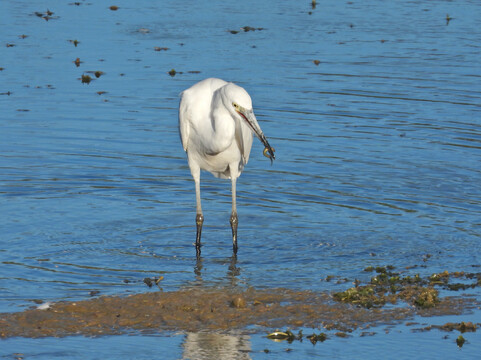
x,y
249,117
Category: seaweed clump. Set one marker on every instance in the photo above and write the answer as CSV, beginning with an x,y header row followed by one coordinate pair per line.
x,y
462,327
388,286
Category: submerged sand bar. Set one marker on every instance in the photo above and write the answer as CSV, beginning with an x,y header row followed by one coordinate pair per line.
x,y
210,309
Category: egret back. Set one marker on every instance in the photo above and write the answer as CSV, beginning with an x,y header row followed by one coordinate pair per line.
x,y
195,104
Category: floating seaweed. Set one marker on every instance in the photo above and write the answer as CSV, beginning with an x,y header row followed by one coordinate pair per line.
x,y
74,42
46,15
460,341
245,29
86,79
462,327
448,19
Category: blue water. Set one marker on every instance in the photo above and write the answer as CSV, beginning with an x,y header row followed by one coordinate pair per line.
x,y
377,154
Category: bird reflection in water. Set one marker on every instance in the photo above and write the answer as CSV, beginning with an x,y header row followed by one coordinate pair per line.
x,y
233,271
212,345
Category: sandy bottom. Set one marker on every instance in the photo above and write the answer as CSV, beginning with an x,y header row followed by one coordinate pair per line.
x,y
211,309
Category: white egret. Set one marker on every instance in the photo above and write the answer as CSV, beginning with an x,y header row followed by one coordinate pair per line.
x,y
216,124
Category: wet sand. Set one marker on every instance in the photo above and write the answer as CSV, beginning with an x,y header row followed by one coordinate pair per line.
x,y
212,310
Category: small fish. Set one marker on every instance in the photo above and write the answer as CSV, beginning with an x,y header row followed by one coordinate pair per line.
x,y
269,153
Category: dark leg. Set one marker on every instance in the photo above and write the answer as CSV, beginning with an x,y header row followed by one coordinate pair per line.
x,y
199,220
234,221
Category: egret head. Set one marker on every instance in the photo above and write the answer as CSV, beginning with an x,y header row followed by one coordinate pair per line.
x,y
240,106
237,95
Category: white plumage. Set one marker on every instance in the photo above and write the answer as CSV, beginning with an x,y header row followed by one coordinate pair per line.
x,y
216,124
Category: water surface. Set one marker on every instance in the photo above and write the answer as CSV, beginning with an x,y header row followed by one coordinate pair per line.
x,y
377,152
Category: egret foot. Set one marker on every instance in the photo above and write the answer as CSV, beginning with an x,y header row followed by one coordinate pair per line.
x,y
199,220
234,221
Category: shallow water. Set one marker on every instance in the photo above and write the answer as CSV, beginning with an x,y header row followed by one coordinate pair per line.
x,y
387,343
377,147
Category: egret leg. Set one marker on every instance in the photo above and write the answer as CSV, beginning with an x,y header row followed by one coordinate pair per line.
x,y
234,221
199,219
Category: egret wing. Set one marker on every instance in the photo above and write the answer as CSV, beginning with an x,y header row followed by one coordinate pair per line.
x,y
243,137
184,121
247,144
240,141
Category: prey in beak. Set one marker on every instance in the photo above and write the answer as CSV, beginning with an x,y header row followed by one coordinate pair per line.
x,y
268,150
250,119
